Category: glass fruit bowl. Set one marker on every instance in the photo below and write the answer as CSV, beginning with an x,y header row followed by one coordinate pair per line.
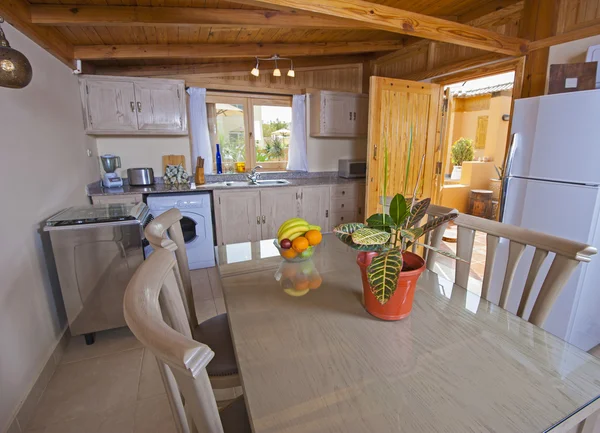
x,y
299,257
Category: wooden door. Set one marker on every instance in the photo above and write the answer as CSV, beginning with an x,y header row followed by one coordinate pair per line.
x,y
277,205
160,106
237,216
315,206
396,107
110,106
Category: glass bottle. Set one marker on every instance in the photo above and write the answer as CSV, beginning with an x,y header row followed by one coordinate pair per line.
x,y
219,164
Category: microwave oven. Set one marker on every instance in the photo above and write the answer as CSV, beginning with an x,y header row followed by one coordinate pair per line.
x,y
351,168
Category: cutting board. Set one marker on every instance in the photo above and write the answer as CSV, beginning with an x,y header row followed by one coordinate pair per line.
x,y
173,160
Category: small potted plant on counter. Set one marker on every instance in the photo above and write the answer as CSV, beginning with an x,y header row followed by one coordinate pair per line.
x,y
462,150
389,271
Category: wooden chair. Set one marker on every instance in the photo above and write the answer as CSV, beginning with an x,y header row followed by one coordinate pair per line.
x,y
214,332
568,254
152,299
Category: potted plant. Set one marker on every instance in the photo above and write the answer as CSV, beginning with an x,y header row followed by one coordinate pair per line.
x,y
389,271
462,150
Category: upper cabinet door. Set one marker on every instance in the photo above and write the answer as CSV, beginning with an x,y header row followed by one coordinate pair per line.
x,y
338,114
110,106
160,106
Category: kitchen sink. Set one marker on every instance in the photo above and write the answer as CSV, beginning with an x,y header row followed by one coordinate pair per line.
x,y
272,182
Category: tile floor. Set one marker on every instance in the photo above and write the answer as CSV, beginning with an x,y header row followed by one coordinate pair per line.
x,y
114,385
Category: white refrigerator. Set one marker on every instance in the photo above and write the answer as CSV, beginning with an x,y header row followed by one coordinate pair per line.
x,y
552,185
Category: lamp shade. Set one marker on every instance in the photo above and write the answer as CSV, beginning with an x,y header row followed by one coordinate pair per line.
x,y
15,69
255,72
276,72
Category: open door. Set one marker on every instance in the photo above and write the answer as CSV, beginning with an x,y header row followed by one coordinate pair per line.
x,y
396,106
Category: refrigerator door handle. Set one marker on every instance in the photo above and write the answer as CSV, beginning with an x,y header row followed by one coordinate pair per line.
x,y
512,149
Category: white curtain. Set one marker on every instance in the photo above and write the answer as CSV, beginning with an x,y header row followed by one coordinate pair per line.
x,y
199,128
297,158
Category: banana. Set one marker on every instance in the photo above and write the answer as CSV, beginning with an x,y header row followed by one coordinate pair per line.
x,y
313,227
294,292
294,229
288,223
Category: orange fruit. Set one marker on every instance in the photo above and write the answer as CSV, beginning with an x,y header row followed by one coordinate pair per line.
x,y
288,254
315,281
300,244
301,282
314,237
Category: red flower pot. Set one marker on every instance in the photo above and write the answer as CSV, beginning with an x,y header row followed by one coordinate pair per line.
x,y
400,304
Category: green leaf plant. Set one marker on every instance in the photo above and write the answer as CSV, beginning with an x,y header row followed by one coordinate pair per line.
x,y
391,234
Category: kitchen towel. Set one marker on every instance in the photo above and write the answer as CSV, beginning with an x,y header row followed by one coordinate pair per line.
x,y
298,159
199,128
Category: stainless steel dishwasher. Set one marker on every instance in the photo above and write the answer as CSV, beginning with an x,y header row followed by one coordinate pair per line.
x,y
97,248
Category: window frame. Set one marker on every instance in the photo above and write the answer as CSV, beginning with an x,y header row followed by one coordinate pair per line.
x,y
249,101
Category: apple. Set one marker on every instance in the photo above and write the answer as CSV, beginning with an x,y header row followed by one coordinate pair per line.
x,y
286,244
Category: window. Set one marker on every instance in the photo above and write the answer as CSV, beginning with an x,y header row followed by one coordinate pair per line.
x,y
254,129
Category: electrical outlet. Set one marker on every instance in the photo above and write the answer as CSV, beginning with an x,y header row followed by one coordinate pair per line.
x,y
89,152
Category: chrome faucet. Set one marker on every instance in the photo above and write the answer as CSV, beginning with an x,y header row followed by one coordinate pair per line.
x,y
254,175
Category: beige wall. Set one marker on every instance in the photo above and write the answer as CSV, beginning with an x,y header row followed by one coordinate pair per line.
x,y
145,151
465,125
571,52
324,153
43,169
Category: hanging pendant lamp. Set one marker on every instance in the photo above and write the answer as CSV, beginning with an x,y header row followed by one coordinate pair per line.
x,y
15,69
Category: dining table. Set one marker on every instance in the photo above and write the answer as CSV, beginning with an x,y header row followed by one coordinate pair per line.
x,y
312,359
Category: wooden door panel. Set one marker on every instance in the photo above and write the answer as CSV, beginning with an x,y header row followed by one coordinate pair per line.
x,y
110,105
237,215
396,107
159,106
315,206
277,205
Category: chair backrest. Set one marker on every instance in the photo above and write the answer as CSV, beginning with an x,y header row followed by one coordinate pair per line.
x,y
152,297
164,231
568,255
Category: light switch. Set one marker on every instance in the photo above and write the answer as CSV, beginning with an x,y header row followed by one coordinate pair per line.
x,y
571,83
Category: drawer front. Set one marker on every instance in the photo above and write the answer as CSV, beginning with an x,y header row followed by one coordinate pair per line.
x,y
344,191
350,204
338,218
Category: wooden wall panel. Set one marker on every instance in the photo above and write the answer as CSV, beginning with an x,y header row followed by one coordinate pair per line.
x,y
576,14
346,78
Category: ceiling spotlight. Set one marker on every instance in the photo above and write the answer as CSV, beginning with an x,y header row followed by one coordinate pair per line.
x,y
255,70
276,71
15,69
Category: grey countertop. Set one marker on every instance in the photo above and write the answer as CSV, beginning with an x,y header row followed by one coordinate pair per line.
x,y
217,182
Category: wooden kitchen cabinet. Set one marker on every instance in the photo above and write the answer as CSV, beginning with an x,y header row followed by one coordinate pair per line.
x,y
133,106
338,114
315,203
276,206
347,204
237,216
110,106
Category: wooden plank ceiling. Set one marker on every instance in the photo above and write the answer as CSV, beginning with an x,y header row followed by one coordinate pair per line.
x,y
135,33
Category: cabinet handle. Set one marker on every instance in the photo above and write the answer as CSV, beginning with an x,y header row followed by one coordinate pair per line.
x,y
132,105
342,219
258,220
264,219
343,192
327,213
302,195
139,104
354,116
342,204
350,115
359,210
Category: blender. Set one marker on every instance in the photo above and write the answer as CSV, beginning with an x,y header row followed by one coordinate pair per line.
x,y
110,163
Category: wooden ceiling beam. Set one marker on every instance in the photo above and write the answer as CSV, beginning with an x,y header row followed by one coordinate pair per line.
x,y
181,51
452,67
300,63
59,15
17,14
584,32
396,20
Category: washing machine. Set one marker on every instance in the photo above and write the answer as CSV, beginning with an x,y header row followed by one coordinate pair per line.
x,y
196,224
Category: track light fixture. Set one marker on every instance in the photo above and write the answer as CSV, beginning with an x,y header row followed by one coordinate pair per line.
x,y
276,72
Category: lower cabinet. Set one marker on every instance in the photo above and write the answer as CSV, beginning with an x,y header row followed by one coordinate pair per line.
x,y
251,215
237,216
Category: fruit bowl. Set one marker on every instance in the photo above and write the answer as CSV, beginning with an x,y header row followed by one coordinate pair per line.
x,y
300,257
